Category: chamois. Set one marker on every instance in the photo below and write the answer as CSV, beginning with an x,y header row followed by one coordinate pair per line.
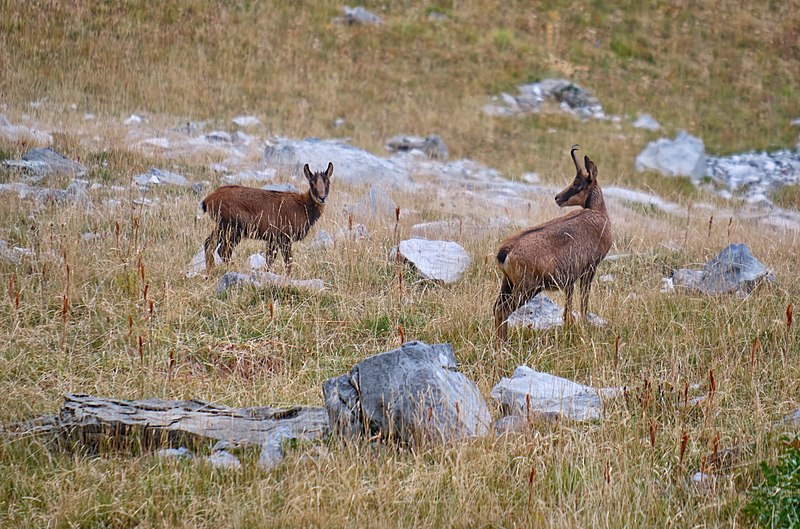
x,y
277,217
556,254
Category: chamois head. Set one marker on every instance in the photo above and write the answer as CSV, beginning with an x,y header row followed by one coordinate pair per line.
x,y
585,180
320,183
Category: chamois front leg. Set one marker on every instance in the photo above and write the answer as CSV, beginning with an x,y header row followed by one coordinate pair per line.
x,y
502,309
229,238
286,250
586,286
569,319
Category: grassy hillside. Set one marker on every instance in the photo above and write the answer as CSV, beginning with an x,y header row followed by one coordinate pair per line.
x,y
77,316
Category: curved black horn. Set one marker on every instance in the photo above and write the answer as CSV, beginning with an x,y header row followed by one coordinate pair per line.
x,y
574,159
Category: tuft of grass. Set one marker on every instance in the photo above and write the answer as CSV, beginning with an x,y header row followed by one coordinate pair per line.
x,y
787,196
775,500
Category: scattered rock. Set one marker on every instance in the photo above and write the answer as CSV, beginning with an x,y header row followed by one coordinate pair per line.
x,y
531,178
245,177
754,175
358,16
322,240
531,392
161,143
246,121
352,165
376,204
134,119
434,16
263,279
158,177
75,193
432,146
414,394
21,133
223,460
683,156
13,254
198,264
42,162
283,187
444,261
219,136
174,453
646,121
733,270
257,262
793,419
702,482
543,313
571,97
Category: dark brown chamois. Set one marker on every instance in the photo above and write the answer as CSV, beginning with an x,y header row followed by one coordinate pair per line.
x,y
556,254
277,217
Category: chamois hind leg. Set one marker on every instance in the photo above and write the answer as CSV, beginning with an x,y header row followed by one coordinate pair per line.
x,y
569,319
511,297
501,309
586,287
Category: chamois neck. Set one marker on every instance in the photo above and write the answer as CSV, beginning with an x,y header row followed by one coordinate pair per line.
x,y
313,209
594,200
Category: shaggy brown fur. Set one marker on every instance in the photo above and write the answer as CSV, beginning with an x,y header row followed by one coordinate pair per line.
x,y
556,254
277,217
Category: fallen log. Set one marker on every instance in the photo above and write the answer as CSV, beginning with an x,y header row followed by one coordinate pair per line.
x,y
93,423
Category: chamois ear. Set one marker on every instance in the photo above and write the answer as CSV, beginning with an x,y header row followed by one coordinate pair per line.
x,y
591,168
307,172
329,171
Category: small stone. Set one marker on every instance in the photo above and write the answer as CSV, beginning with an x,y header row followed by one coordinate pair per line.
x,y
646,121
174,453
246,121
133,119
223,460
360,16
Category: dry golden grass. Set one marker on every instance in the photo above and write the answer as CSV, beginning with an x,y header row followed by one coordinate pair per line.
x,y
710,67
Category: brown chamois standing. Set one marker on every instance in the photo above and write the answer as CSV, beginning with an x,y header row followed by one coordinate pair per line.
x,y
556,254
277,217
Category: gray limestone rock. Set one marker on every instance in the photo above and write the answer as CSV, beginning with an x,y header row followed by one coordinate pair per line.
x,y
376,204
543,313
733,270
246,121
351,165
40,163
223,460
360,16
530,392
283,187
432,146
414,394
646,122
683,156
159,177
444,261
